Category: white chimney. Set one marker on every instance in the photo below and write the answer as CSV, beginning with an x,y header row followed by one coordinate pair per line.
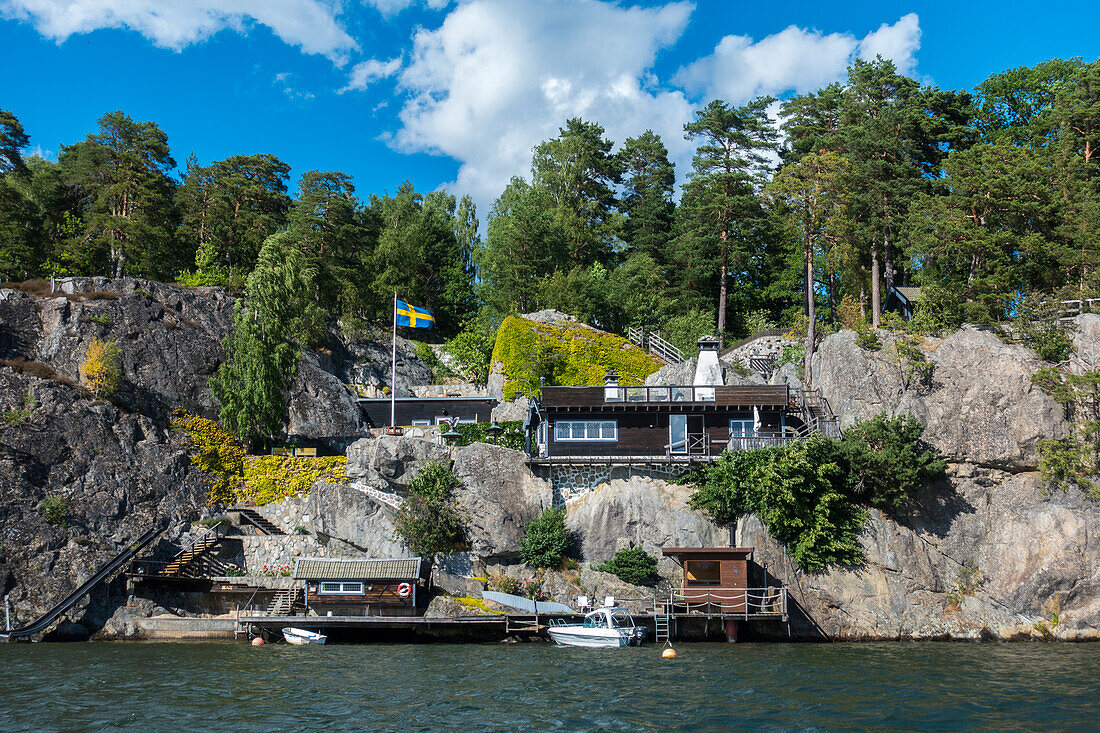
x,y
611,390
708,372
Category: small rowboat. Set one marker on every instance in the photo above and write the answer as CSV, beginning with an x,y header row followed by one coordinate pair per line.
x,y
301,637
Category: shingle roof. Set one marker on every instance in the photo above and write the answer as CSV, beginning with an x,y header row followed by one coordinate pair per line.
x,y
317,568
911,294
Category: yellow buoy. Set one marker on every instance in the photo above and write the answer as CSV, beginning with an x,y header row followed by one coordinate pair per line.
x,y
669,653
257,641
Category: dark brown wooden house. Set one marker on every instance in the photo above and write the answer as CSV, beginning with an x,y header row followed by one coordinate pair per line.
x,y
676,423
353,587
413,411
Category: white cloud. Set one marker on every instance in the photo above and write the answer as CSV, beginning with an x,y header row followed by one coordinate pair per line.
x,y
795,59
389,8
366,73
285,81
309,24
499,76
899,42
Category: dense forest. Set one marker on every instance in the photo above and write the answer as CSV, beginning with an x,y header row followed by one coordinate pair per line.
x,y
981,197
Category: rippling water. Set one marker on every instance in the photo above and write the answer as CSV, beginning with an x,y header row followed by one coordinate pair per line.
x,y
501,687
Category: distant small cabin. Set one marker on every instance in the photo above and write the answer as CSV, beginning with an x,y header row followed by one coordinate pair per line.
x,y
424,411
714,576
901,300
353,587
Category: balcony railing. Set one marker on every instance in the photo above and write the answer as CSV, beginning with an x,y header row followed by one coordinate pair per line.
x,y
685,393
715,601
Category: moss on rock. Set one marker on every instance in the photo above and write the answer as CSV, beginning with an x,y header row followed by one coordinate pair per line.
x,y
564,354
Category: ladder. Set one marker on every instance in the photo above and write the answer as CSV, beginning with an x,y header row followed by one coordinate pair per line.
x,y
661,622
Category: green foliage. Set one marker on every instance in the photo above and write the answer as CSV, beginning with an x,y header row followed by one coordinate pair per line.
x,y
55,510
1071,462
213,521
18,416
938,311
545,539
798,490
888,460
215,452
632,565
506,584
440,371
1041,328
793,354
103,319
758,321
566,354
867,337
269,479
472,348
967,581
513,436
685,329
429,521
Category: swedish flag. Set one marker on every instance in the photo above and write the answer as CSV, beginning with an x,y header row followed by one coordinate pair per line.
x,y
410,315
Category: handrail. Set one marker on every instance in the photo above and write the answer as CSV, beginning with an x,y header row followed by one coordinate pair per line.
x,y
730,601
43,621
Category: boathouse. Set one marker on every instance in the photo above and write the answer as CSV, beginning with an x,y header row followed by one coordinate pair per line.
x,y
717,576
362,587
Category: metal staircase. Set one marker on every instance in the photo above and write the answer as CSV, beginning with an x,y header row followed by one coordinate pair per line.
x,y
254,518
286,602
816,413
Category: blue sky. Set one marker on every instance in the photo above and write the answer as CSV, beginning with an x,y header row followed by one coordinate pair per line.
x,y
455,94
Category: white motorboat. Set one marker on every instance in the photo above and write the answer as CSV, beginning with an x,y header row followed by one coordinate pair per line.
x,y
604,628
301,637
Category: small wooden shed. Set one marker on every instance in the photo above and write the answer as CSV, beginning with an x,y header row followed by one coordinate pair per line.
x,y
715,578
362,587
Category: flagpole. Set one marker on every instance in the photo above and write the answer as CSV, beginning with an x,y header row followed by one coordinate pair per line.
x,y
393,367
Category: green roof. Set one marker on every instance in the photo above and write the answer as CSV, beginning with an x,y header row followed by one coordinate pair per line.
x,y
323,568
911,294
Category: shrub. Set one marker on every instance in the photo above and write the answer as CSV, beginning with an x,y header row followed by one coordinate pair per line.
x,y
505,584
102,368
513,436
545,539
439,370
429,521
758,321
685,330
472,348
103,319
795,354
215,452
55,510
888,460
213,521
633,565
36,369
797,490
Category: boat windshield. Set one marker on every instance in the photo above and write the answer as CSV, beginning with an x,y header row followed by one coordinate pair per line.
x,y
622,619
595,621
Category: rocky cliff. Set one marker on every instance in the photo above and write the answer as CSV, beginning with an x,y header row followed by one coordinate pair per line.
x,y
115,467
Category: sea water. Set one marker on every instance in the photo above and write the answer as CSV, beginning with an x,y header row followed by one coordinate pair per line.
x,y
512,687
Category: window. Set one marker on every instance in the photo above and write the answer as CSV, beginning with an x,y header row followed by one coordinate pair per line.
x,y
421,423
340,587
741,429
586,430
702,572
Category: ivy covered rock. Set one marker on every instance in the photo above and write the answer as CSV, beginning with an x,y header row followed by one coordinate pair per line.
x,y
562,353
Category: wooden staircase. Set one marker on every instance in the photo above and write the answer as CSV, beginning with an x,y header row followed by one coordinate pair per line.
x,y
178,565
286,602
254,518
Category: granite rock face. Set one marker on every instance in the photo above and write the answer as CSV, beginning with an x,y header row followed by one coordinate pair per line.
x,y
500,496
646,512
985,555
389,462
118,474
321,406
979,405
352,523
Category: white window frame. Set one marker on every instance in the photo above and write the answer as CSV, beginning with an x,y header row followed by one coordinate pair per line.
x,y
343,588
746,428
558,438
421,423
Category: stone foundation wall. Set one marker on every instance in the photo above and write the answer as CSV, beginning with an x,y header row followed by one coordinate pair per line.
x,y
571,482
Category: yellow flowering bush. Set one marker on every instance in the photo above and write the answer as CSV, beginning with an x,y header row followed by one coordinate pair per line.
x,y
237,477
102,367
